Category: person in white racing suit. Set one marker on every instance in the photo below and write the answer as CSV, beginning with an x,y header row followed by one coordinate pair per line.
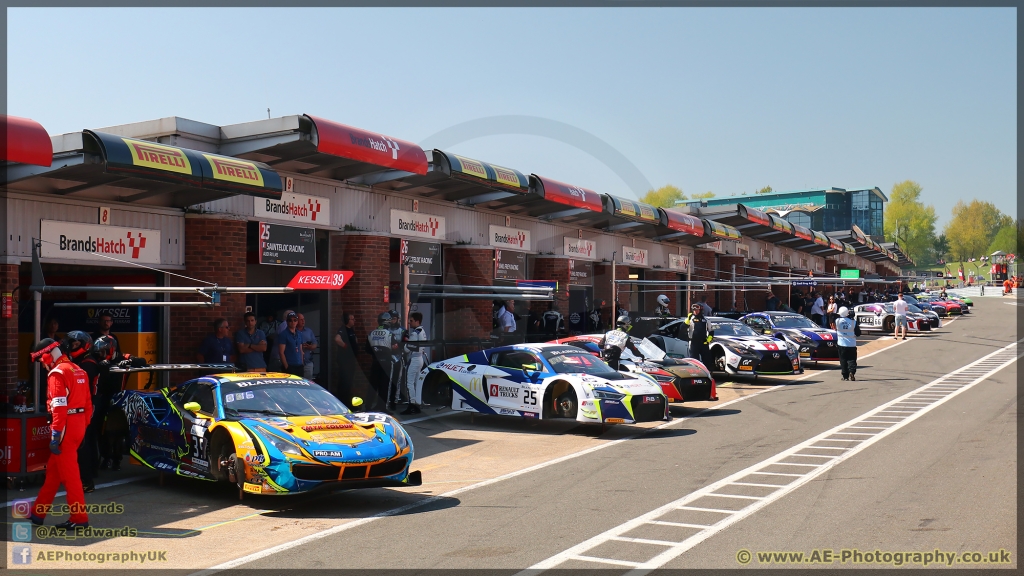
x,y
617,340
662,309
383,346
417,359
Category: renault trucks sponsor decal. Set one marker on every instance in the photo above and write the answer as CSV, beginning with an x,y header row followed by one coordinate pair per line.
x,y
415,224
512,238
295,207
498,391
75,241
158,157
634,256
579,248
235,170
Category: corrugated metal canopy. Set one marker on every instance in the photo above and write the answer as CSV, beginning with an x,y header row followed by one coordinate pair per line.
x,y
105,167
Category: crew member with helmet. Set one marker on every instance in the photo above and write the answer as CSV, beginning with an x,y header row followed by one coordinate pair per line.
x,y
70,404
617,340
88,451
699,334
416,361
662,309
382,345
111,437
847,344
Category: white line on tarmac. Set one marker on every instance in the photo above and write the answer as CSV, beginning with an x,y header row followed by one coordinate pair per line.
x,y
579,552
401,509
98,486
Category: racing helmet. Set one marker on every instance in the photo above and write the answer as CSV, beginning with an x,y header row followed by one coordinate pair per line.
x,y
623,322
663,300
47,352
383,318
103,348
844,311
76,344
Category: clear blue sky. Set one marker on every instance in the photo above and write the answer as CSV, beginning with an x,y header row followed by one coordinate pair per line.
x,y
727,100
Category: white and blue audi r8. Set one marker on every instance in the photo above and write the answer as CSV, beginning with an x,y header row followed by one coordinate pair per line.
x,y
543,381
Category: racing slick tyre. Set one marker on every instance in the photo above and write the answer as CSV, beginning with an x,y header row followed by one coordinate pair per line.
x,y
566,405
229,465
889,325
719,361
437,389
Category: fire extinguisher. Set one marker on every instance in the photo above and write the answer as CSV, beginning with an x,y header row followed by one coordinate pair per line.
x,y
7,304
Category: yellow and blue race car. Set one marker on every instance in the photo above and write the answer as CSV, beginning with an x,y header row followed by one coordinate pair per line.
x,y
269,434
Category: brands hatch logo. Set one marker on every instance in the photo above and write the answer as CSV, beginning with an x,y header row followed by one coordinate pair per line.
x,y
141,244
518,240
578,192
431,226
289,208
584,249
382,145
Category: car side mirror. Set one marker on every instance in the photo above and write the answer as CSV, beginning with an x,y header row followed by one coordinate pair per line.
x,y
357,401
192,406
529,368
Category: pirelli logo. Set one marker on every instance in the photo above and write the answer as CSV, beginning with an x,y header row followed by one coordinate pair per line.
x,y
506,176
234,170
158,157
474,168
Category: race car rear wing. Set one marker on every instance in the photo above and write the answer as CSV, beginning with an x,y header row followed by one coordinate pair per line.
x,y
154,369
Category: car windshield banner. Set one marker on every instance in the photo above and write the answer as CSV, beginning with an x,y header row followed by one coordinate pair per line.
x,y
509,265
287,245
424,258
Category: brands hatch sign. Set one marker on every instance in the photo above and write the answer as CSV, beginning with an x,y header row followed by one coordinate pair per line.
x,y
634,256
579,248
417,225
76,241
295,208
510,238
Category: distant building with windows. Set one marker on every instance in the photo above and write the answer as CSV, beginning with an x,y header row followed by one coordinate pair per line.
x,y
825,209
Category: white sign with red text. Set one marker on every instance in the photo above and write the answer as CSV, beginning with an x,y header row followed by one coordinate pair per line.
x,y
634,256
77,241
294,208
417,224
580,248
510,238
678,262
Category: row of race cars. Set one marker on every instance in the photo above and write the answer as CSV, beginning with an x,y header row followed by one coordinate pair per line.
x,y
275,434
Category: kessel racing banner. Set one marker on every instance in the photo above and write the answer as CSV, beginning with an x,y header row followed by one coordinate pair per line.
x,y
294,207
76,241
424,258
509,265
287,245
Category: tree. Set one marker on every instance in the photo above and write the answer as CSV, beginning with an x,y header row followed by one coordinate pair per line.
x,y
765,190
1005,240
664,197
909,222
703,195
973,228
941,246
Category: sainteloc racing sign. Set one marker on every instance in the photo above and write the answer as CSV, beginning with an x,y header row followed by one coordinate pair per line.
x,y
287,245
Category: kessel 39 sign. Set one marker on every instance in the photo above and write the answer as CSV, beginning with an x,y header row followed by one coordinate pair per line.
x,y
287,245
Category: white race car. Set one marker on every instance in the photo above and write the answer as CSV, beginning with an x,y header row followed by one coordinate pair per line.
x,y
543,381
735,349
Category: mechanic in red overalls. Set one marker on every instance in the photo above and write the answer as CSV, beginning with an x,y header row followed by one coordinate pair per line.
x,y
70,403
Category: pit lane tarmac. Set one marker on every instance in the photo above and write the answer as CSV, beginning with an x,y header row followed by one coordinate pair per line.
x,y
190,519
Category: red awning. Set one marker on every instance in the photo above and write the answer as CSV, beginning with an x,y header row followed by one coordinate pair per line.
x,y
683,222
570,195
364,146
26,142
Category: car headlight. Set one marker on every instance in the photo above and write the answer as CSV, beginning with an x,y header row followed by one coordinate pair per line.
x,y
738,349
800,338
605,395
663,378
281,444
400,438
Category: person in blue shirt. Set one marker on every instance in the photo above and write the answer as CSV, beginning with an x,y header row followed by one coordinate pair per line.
x,y
309,343
846,328
217,347
289,346
251,342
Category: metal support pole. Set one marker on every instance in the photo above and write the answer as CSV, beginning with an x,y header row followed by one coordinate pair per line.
x,y
689,278
734,286
405,296
615,293
37,301
164,355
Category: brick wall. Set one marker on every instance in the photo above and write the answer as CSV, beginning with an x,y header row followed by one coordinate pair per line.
x,y
756,298
464,319
556,269
705,267
674,293
214,252
368,258
9,331
726,301
780,290
831,266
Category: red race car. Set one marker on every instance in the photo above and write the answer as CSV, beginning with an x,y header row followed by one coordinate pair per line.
x,y
681,379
